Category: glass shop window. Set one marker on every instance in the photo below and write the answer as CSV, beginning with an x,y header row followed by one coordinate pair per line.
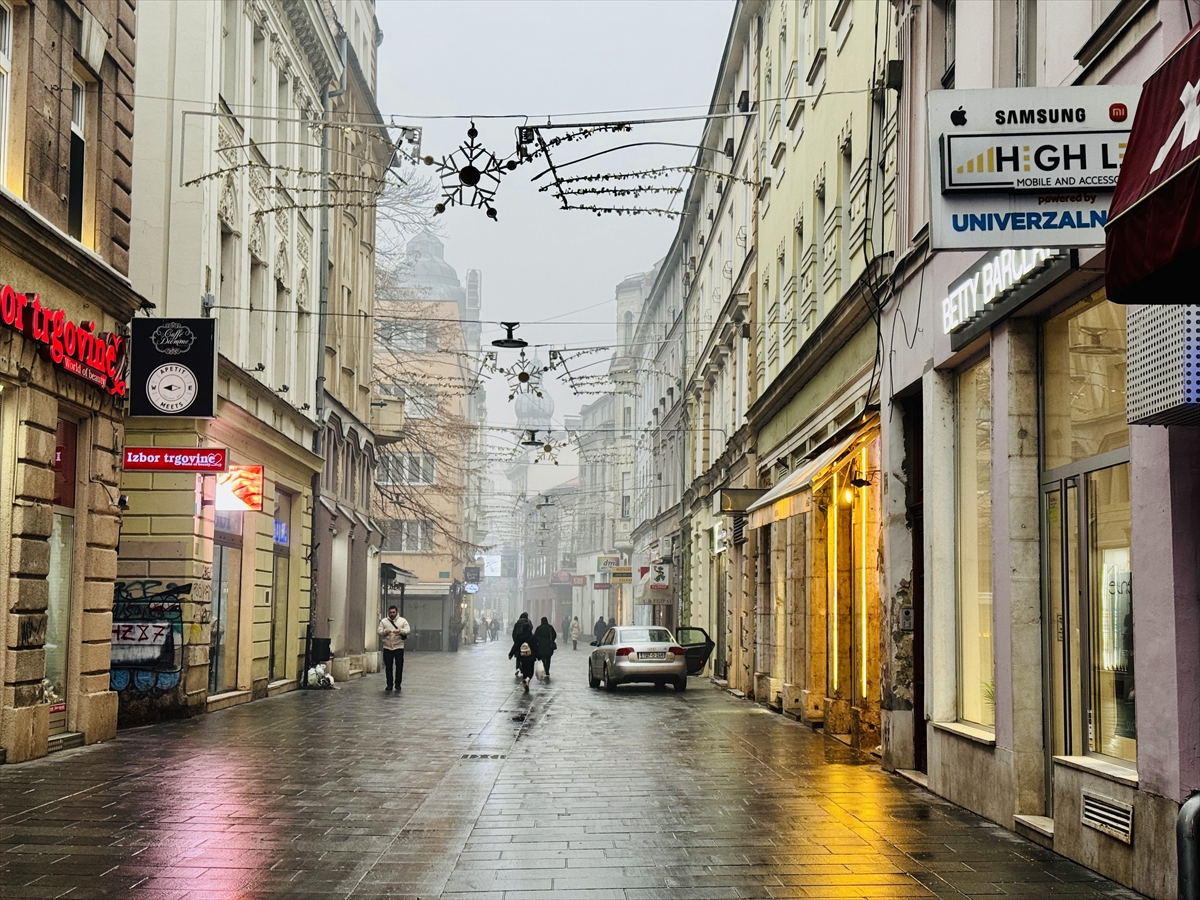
x,y
976,673
62,572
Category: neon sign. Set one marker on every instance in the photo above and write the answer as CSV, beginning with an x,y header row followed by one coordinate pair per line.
x,y
75,348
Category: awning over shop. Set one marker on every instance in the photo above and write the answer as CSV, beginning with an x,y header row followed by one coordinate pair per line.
x,y
784,500
1153,240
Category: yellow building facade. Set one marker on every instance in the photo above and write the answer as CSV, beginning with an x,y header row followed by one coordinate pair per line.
x,y
826,188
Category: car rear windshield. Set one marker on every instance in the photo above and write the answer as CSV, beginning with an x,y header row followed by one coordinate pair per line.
x,y
646,635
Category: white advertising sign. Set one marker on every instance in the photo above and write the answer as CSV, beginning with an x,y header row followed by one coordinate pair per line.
x,y
1026,167
492,566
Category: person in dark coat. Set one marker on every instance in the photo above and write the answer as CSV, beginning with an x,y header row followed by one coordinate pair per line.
x,y
522,628
544,639
525,653
600,629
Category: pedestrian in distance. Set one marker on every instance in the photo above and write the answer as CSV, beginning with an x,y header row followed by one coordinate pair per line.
x,y
523,653
573,632
612,623
600,629
393,629
522,629
545,640
566,626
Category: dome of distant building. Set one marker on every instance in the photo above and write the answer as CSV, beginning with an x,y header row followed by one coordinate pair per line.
x,y
429,271
534,411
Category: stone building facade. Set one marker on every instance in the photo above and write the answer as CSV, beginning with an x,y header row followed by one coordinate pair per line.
x,y
227,226
66,301
346,538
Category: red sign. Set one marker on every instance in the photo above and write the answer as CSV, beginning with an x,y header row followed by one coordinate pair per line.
x,y
78,349
578,581
1153,241
602,586
173,459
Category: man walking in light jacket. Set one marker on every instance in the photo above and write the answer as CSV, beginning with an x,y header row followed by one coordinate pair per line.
x,y
392,630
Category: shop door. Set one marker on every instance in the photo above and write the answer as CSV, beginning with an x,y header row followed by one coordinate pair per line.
x,y
1088,600
226,604
62,574
277,663
914,451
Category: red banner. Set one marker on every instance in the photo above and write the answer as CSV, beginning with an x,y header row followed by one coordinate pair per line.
x,y
602,586
173,459
94,356
1153,241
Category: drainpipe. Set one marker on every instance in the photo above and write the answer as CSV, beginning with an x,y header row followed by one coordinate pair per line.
x,y
322,331
1187,846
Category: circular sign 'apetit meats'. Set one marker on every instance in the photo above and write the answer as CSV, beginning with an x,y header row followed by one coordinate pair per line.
x,y
171,388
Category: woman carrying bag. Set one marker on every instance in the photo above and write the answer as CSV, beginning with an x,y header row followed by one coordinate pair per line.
x,y
523,652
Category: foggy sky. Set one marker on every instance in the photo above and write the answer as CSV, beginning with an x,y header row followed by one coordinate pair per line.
x,y
539,59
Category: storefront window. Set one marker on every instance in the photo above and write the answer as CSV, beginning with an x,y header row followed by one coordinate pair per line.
x,y
974,440
1113,731
1087,543
279,591
226,603
1084,366
62,573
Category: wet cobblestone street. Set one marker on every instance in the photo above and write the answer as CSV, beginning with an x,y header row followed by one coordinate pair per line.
x,y
463,787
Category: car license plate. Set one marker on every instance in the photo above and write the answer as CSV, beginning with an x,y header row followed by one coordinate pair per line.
x,y
660,654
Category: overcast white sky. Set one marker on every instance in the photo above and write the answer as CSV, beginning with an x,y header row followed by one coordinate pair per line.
x,y
539,59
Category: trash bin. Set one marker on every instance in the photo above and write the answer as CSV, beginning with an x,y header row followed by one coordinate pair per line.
x,y
320,651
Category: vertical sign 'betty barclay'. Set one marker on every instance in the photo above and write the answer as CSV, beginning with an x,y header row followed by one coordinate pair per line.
x,y
1026,167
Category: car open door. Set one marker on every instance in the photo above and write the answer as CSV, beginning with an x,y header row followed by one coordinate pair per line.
x,y
697,647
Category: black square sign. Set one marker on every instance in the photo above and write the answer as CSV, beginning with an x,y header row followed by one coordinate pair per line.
x,y
173,368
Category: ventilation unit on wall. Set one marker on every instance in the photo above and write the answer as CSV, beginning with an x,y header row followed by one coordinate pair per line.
x,y
1112,817
1163,365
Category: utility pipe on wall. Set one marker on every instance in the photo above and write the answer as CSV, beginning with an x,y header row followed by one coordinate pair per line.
x,y
1187,844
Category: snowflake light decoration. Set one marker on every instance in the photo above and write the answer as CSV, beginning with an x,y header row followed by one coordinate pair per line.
x,y
470,175
524,376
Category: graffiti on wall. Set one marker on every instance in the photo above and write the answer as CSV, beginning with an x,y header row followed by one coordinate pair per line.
x,y
147,636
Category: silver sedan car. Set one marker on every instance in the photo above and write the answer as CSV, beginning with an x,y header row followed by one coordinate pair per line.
x,y
647,653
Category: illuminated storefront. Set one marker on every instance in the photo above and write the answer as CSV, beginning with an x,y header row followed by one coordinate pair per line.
x,y
818,585
62,389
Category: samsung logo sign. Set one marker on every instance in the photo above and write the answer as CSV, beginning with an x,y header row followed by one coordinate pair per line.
x,y
988,282
1039,116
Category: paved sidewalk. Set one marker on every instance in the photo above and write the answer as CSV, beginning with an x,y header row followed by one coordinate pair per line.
x,y
463,787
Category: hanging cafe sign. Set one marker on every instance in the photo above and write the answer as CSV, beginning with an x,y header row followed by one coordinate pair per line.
x,y
76,348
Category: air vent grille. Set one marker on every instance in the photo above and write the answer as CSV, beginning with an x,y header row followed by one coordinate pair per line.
x,y
1163,365
1112,817
484,756
739,528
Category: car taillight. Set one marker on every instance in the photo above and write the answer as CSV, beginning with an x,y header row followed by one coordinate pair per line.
x,y
678,651
624,651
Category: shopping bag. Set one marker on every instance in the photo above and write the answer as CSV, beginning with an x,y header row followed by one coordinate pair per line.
x,y
539,670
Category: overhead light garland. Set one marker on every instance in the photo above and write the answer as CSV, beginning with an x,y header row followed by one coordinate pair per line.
x,y
470,175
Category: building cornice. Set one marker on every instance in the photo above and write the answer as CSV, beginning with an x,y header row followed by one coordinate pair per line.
x,y
32,238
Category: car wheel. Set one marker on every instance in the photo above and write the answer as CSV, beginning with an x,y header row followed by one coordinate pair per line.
x,y
610,683
681,684
593,681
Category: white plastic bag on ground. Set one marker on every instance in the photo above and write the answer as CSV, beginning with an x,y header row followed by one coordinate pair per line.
x,y
539,670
